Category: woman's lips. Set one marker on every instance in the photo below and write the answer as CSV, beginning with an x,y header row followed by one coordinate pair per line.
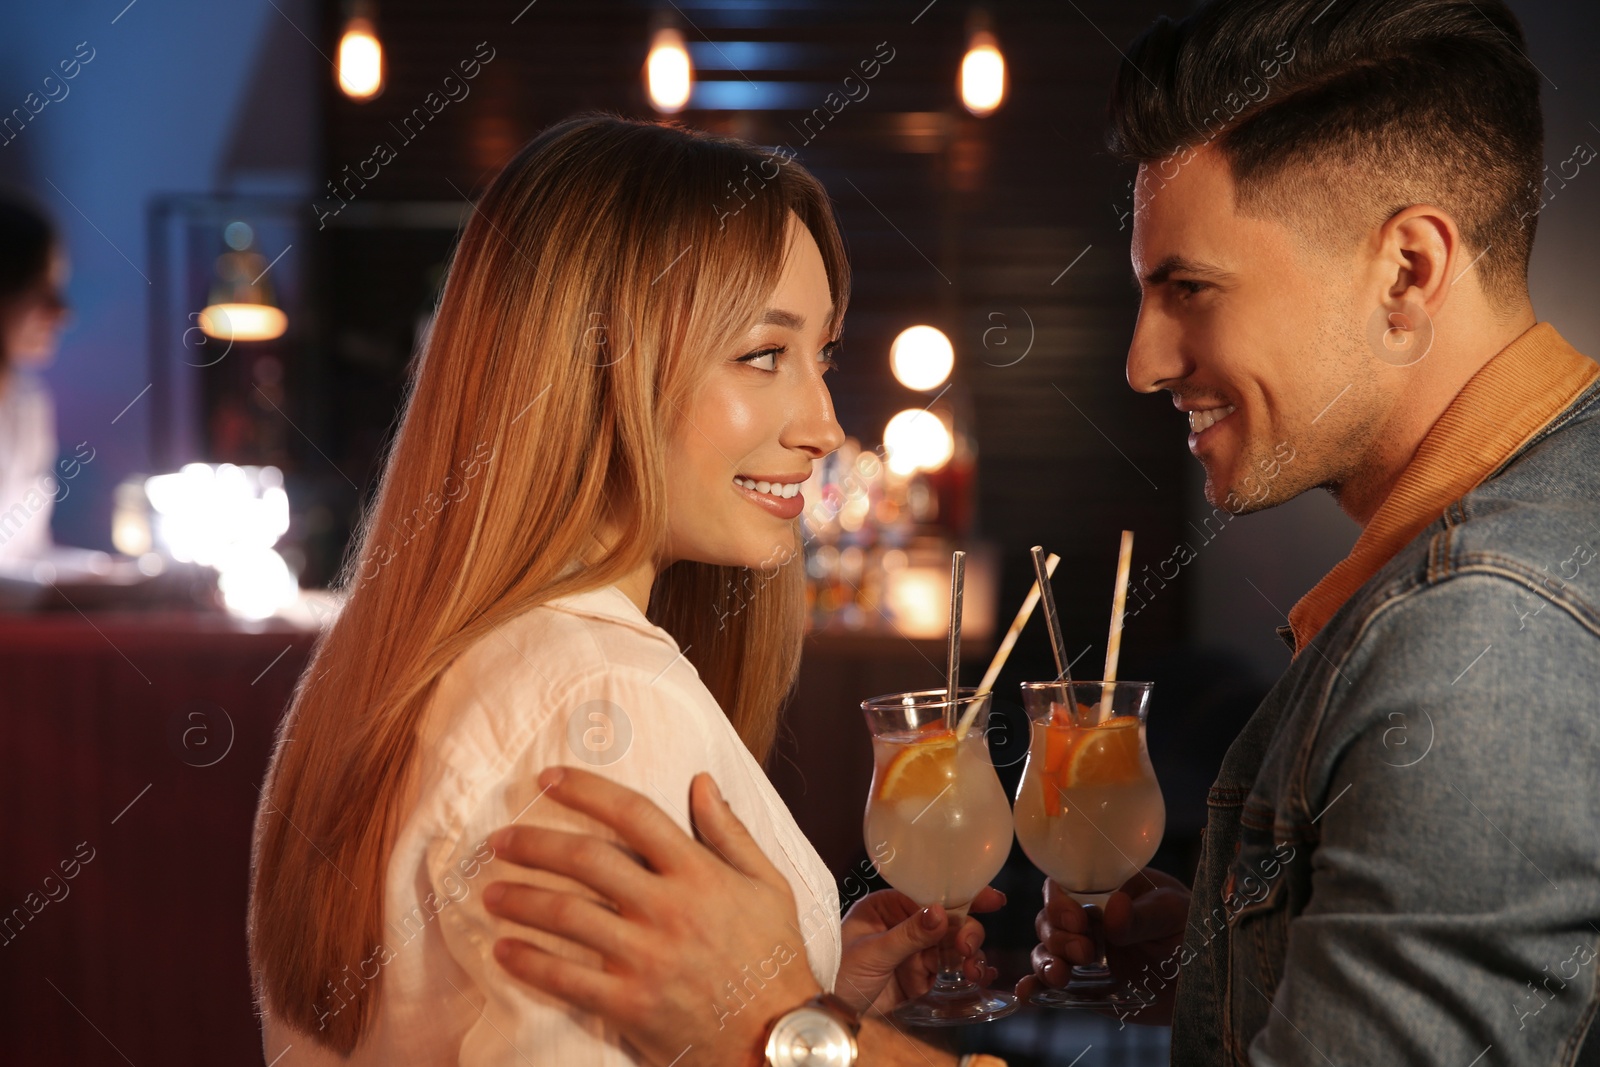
x,y
782,507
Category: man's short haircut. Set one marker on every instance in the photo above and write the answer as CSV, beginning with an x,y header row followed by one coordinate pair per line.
x,y
1335,114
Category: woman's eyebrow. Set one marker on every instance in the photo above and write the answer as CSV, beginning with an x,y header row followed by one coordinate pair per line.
x,y
788,319
779,317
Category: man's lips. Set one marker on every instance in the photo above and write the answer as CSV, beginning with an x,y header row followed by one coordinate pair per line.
x,y
1204,420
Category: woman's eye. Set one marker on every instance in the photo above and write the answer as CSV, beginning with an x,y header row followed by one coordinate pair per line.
x,y
766,359
829,356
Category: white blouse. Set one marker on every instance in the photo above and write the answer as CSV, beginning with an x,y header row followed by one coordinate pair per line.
x,y
27,456
583,681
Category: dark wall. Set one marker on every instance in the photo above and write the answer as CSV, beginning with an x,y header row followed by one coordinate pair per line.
x,y
969,224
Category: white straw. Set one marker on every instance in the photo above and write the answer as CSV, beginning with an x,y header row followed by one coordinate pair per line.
x,y
958,573
1025,612
1119,602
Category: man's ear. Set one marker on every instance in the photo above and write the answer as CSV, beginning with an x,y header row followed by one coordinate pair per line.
x,y
1420,255
1416,257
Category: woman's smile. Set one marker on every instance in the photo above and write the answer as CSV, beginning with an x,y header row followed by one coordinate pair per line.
x,y
779,495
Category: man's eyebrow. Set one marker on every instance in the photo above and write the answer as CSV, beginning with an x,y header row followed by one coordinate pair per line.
x,y
1165,269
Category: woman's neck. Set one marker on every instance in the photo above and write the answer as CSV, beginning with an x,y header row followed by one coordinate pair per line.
x,y
637,584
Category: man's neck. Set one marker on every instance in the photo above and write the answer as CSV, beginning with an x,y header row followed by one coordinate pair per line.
x,y
1456,356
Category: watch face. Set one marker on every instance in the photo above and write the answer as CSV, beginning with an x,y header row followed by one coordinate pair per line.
x,y
809,1037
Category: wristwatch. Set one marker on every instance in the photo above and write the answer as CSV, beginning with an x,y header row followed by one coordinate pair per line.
x,y
819,1033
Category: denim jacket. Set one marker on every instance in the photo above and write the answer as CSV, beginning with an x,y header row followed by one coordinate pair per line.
x,y
1402,853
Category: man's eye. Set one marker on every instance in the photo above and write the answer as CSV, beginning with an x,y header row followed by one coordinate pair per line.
x,y
766,359
1188,288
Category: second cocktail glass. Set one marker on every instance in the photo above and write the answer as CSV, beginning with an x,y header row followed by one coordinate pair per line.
x,y
938,828
1089,812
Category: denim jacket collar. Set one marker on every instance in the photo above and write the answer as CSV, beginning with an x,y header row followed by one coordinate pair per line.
x,y
1500,409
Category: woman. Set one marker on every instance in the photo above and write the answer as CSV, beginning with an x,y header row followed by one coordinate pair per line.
x,y
619,400
33,272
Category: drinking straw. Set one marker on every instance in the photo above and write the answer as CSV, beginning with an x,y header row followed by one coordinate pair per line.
x,y
1024,613
1119,601
1052,621
958,573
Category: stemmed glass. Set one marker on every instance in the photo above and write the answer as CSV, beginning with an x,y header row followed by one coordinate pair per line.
x,y
938,828
1089,812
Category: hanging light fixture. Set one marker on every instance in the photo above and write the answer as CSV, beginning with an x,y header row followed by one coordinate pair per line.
x,y
241,306
668,71
360,66
983,68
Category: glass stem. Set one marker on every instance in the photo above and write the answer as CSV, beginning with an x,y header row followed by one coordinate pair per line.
x,y
950,956
1098,971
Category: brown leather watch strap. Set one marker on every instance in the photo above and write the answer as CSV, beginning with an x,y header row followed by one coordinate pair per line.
x,y
849,1016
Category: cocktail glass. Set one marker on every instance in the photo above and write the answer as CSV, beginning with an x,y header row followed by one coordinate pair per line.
x,y
938,828
1089,812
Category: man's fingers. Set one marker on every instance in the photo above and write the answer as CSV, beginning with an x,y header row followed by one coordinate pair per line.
x,y
1068,945
1045,926
580,921
721,829
1058,903
634,817
1154,915
1149,880
1062,912
585,988
1050,970
586,859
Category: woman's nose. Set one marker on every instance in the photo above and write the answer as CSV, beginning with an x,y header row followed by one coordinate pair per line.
x,y
815,428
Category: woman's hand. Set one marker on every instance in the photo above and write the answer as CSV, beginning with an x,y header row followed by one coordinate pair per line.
x,y
1144,927
891,948
701,946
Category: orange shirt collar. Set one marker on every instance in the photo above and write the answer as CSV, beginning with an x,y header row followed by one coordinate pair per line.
x,y
1511,398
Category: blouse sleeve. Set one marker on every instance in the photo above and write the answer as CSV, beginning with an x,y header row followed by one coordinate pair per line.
x,y
27,459
617,723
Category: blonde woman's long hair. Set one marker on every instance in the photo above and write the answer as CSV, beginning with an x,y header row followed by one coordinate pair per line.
x,y
598,278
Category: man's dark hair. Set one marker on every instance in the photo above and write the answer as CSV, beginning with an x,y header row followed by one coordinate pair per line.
x,y
1416,101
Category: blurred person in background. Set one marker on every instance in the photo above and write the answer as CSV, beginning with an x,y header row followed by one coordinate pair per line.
x,y
33,312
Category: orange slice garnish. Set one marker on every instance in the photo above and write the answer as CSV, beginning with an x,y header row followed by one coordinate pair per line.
x,y
1107,754
923,768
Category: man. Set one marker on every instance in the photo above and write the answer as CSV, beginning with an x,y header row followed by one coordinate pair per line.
x,y
1335,207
